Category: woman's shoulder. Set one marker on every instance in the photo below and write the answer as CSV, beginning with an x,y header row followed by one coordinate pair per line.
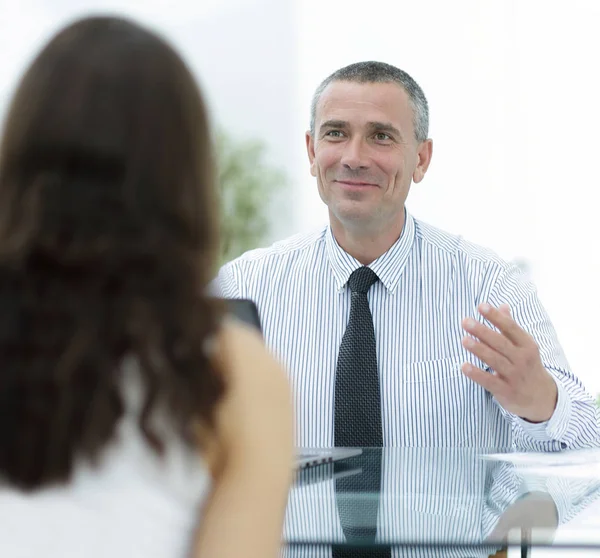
x,y
243,355
256,411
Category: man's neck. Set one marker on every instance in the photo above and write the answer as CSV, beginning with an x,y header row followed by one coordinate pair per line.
x,y
366,245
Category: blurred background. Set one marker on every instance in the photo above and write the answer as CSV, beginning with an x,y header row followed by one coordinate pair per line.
x,y
513,89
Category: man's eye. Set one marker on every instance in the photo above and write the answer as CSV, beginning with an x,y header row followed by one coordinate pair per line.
x,y
381,136
334,134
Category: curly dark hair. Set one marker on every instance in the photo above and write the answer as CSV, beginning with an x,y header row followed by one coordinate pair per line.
x,y
108,239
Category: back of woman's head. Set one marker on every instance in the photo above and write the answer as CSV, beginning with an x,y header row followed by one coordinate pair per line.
x,y
107,238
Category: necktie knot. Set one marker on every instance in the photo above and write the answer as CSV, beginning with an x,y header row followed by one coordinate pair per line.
x,y
361,280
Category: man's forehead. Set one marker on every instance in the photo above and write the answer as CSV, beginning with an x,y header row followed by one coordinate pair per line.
x,y
371,101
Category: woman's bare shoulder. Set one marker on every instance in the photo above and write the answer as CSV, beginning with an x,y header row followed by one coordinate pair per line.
x,y
257,408
242,353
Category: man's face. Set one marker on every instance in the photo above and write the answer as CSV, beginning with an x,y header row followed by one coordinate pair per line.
x,y
364,153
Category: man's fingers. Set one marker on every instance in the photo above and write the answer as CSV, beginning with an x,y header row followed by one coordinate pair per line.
x,y
505,309
491,338
486,380
505,324
495,360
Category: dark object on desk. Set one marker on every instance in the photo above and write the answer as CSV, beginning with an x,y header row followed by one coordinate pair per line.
x,y
313,457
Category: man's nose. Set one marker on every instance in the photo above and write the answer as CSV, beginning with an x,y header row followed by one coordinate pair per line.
x,y
354,156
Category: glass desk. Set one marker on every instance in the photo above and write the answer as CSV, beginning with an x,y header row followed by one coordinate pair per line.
x,y
439,502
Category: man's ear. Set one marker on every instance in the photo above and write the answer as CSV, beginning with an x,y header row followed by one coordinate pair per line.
x,y
424,154
310,149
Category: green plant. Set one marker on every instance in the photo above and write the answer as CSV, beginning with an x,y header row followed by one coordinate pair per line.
x,y
247,185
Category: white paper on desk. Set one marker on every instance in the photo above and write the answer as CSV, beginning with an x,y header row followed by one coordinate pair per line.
x,y
580,471
586,457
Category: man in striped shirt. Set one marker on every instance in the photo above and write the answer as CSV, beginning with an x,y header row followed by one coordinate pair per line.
x,y
466,353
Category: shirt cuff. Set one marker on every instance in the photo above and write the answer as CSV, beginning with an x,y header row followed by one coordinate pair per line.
x,y
556,427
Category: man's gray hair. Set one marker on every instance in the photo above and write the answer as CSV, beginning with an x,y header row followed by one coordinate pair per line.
x,y
379,72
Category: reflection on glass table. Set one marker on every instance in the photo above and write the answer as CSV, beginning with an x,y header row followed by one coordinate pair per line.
x,y
433,502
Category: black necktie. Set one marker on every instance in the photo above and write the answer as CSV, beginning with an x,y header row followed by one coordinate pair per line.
x,y
357,397
358,420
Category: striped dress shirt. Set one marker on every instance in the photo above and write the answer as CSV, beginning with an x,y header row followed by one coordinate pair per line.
x,y
429,281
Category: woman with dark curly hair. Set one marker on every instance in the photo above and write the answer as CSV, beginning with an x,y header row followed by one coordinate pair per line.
x,y
134,419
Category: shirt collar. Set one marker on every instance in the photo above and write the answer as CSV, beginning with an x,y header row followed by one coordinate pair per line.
x,y
389,266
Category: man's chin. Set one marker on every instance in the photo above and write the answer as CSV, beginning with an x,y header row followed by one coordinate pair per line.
x,y
354,216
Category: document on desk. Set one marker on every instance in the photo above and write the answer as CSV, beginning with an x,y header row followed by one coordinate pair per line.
x,y
583,463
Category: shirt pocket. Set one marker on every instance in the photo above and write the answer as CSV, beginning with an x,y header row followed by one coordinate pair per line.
x,y
438,404
432,370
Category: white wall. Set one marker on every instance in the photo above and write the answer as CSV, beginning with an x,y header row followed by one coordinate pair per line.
x,y
243,52
513,91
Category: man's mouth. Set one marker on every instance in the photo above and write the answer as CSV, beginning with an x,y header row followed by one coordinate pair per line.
x,y
356,183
